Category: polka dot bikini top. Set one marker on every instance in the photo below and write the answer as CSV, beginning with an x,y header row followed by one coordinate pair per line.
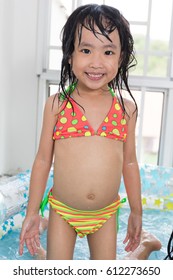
x,y
73,123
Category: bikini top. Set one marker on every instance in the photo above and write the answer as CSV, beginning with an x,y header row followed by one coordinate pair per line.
x,y
73,123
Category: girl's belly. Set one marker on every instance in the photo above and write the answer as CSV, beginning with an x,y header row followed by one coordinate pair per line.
x,y
88,179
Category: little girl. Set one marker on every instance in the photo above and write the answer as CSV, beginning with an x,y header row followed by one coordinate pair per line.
x,y
89,131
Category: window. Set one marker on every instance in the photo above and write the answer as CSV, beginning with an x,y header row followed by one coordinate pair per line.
x,y
149,26
148,129
150,23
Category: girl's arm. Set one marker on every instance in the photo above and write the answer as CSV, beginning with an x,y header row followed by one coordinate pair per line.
x,y
43,160
132,183
39,175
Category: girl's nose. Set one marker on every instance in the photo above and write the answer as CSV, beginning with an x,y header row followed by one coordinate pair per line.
x,y
96,66
96,61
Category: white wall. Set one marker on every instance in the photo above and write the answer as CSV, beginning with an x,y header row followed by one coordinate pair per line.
x,y
18,84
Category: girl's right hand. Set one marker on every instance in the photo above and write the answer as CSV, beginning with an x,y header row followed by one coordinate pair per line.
x,y
30,234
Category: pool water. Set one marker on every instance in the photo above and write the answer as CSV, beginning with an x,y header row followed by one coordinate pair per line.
x,y
157,222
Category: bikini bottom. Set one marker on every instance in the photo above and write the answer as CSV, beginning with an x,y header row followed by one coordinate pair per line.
x,y
82,221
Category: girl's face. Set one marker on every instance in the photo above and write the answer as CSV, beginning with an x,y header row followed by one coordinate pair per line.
x,y
95,61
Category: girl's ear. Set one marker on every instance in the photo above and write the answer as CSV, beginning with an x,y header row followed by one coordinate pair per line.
x,y
69,61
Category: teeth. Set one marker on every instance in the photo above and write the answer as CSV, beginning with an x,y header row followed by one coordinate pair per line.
x,y
95,75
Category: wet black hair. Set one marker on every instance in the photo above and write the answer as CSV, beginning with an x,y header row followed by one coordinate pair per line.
x,y
107,19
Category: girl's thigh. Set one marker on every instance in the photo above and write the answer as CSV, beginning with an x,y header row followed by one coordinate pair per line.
x,y
103,242
61,238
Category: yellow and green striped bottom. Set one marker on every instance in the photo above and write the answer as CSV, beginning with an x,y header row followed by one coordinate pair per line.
x,y
83,222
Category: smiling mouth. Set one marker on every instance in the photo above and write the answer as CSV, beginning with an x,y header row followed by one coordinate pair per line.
x,y
94,76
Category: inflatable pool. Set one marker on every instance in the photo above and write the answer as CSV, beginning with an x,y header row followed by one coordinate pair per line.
x,y
157,193
13,201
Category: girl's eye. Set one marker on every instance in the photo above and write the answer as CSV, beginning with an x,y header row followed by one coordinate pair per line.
x,y
86,51
108,52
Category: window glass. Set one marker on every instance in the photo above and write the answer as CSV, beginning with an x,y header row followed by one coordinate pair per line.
x,y
133,10
55,58
157,66
149,119
139,68
139,34
53,89
58,18
161,20
99,2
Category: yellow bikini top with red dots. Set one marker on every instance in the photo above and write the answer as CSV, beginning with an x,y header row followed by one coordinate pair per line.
x,y
73,123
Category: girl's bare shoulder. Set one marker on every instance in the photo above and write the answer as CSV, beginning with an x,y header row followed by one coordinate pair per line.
x,y
130,107
52,104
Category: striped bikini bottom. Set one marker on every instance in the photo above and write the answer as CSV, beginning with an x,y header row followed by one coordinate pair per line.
x,y
83,222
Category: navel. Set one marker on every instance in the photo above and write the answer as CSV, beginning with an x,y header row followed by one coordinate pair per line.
x,y
91,196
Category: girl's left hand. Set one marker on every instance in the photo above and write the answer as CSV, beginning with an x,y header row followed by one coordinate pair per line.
x,y
133,235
